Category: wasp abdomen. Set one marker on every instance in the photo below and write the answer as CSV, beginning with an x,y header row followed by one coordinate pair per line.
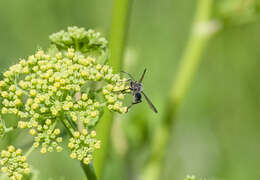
x,y
138,97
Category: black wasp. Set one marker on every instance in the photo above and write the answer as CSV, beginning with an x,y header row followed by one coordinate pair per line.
x,y
137,90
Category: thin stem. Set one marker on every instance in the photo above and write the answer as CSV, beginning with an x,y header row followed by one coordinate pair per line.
x,y
4,126
8,129
67,124
118,34
76,45
188,67
32,148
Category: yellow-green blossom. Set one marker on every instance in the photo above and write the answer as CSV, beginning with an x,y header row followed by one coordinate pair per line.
x,y
69,82
80,39
50,89
14,163
82,145
45,135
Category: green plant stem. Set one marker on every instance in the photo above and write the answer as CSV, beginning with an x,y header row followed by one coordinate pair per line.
x,y
89,171
118,34
188,67
103,133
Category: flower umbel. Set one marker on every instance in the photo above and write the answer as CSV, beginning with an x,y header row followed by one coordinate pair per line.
x,y
44,135
80,39
14,163
83,145
65,85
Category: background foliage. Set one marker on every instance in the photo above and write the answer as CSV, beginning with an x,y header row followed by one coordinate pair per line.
x,y
216,131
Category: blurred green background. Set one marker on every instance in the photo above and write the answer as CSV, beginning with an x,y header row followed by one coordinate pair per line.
x,y
217,129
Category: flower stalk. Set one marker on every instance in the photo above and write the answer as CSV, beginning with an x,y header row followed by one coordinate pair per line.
x,y
118,35
32,148
190,61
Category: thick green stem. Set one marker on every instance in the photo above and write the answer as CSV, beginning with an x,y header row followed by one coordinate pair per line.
x,y
89,171
118,34
189,64
103,133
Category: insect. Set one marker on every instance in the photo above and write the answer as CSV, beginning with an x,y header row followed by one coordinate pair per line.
x,y
137,90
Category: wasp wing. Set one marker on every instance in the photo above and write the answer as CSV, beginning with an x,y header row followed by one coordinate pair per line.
x,y
150,103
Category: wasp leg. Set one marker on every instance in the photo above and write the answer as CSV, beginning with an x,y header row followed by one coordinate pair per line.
x,y
128,80
133,103
124,90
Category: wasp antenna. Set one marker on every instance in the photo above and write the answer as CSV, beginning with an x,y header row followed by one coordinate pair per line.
x,y
142,77
128,74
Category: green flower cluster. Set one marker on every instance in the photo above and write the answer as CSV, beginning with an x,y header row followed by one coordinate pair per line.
x,y
83,145
80,39
45,86
67,83
14,163
44,135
